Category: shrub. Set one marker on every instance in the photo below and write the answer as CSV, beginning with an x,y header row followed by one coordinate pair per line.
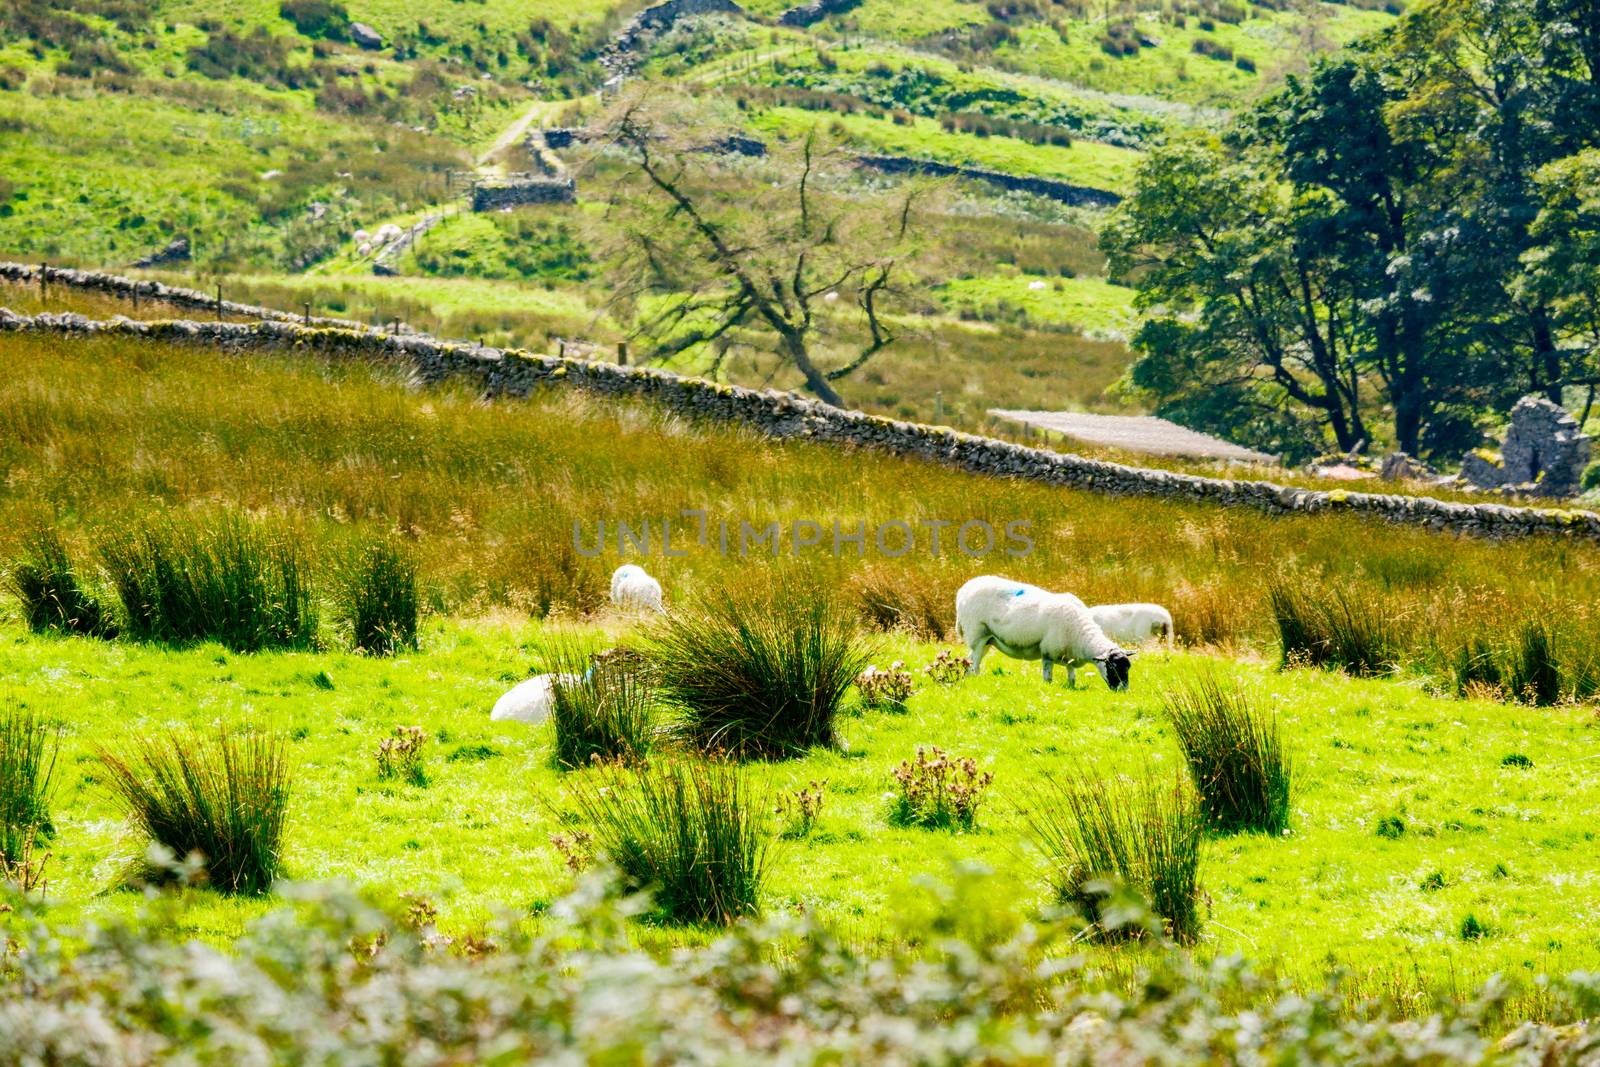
x,y
378,599
27,765
400,755
1235,754
1328,624
687,830
1143,836
888,689
1391,827
759,674
322,19
939,791
1473,928
224,798
947,668
52,595
801,809
604,707
1517,760
224,579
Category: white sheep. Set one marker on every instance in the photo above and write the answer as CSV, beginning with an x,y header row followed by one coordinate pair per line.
x,y
1134,623
530,701
361,237
1026,622
632,589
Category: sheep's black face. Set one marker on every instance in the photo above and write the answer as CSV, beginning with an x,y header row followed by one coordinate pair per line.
x,y
1115,670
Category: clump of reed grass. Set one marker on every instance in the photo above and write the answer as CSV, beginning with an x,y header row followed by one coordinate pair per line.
x,y
52,593
758,674
223,798
378,598
1235,753
28,748
219,578
689,831
604,706
1100,837
1332,624
901,599
1535,665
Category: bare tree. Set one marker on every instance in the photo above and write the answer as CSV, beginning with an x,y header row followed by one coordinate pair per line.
x,y
709,255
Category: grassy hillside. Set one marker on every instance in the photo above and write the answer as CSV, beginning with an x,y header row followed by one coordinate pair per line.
x,y
98,434
264,136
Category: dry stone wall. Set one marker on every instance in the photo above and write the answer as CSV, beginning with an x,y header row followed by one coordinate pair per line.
x,y
786,416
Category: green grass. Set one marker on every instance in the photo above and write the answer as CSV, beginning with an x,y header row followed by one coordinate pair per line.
x,y
1333,889
1100,166
1086,304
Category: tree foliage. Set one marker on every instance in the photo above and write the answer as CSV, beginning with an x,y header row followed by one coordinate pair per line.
x,y
710,250
1359,255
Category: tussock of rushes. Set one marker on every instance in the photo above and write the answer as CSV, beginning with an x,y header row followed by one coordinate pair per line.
x,y
688,831
52,593
1144,836
220,578
892,599
224,798
758,674
604,708
1235,754
27,765
1333,624
1536,664
378,598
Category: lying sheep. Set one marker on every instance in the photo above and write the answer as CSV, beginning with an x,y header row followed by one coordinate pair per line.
x,y
1134,623
1026,622
632,589
531,701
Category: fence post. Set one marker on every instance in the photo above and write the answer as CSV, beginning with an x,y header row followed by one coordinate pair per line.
x,y
136,298
622,353
44,286
219,301
307,307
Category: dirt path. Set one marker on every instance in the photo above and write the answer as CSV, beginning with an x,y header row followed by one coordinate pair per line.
x,y
518,129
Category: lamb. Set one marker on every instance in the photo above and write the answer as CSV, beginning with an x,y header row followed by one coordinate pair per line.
x,y
632,589
1134,623
1026,622
531,701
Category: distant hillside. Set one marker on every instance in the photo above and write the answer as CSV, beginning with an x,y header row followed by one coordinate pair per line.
x,y
264,135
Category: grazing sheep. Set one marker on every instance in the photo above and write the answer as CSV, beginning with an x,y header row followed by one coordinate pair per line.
x,y
530,701
1026,622
632,589
1134,623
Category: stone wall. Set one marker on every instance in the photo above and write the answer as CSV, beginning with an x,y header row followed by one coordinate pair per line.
x,y
492,196
175,296
815,11
788,416
1065,192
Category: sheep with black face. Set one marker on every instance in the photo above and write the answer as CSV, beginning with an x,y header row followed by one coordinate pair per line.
x,y
1026,622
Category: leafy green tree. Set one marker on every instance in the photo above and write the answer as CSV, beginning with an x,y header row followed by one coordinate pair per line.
x,y
1235,339
1562,269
